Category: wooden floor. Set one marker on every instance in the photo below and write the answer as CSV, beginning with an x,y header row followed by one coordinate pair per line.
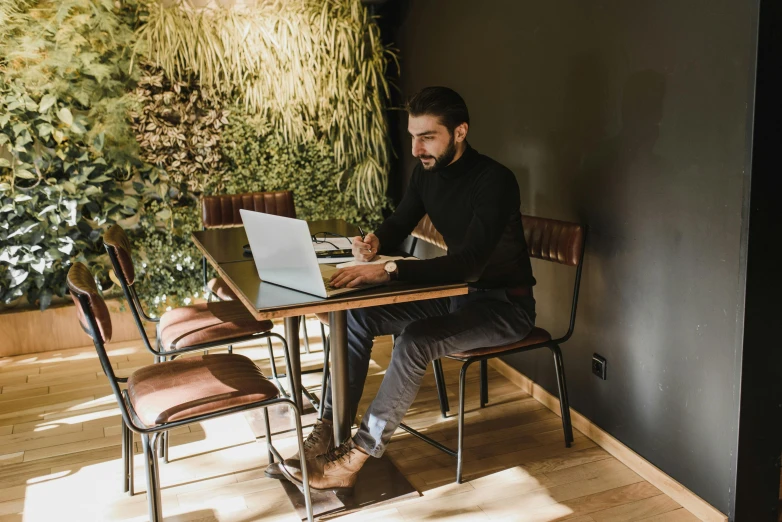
x,y
60,455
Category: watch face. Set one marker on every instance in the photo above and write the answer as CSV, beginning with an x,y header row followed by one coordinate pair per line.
x,y
390,267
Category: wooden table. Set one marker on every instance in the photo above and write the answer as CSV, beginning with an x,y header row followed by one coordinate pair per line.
x,y
223,249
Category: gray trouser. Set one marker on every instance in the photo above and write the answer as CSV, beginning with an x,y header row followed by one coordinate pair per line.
x,y
425,331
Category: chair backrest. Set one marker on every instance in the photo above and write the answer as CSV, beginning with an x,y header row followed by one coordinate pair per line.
x,y
81,283
119,249
425,231
116,241
547,239
223,211
96,321
553,240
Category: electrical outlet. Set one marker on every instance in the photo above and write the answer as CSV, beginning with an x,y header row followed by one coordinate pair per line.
x,y
599,366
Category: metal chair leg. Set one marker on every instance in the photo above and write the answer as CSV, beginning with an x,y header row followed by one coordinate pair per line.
x,y
459,451
289,373
275,375
131,472
153,477
208,292
158,345
159,447
564,404
126,457
163,446
164,443
268,434
439,380
484,383
305,334
230,348
324,382
304,478
323,334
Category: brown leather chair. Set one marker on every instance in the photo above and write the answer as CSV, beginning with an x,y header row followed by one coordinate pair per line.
x,y
189,328
222,211
171,394
549,240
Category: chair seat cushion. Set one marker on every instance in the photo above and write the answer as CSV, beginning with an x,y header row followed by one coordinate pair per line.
x,y
537,335
190,386
220,288
207,323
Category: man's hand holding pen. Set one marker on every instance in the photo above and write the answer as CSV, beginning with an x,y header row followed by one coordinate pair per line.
x,y
366,246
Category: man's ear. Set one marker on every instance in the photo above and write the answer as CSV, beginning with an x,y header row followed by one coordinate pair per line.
x,y
460,132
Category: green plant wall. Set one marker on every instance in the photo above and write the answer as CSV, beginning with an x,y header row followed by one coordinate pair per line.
x,y
98,127
66,149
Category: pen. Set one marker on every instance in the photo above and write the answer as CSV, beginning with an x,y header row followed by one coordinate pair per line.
x,y
361,231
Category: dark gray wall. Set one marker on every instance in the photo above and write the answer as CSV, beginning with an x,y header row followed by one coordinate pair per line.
x,y
632,117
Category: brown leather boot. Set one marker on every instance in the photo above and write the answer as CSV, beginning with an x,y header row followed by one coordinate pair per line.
x,y
320,440
336,470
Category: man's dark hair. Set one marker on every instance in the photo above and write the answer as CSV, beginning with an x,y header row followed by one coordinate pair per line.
x,y
442,102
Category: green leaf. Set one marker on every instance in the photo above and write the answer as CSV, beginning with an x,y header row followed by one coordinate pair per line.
x,y
78,128
24,174
46,102
46,209
39,265
18,276
44,129
23,229
65,116
4,162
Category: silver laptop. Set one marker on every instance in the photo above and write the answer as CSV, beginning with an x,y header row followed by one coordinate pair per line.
x,y
284,255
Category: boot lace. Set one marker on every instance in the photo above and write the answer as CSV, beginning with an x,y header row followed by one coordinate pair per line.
x,y
315,435
338,453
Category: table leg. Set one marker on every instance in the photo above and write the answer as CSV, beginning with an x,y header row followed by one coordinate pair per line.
x,y
294,381
338,347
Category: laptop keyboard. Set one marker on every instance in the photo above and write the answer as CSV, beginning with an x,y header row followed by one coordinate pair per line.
x,y
327,282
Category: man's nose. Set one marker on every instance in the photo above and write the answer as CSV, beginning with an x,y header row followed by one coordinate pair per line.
x,y
418,148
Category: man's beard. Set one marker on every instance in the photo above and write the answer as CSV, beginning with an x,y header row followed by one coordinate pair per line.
x,y
444,159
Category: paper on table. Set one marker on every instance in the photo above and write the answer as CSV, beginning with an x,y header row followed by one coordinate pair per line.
x,y
378,260
337,243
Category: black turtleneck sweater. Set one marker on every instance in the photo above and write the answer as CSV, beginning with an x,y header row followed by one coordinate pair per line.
x,y
474,204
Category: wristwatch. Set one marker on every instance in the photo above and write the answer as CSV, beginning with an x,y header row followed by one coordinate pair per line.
x,y
392,270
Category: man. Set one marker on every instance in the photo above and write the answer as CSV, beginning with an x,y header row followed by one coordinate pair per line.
x,y
473,202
